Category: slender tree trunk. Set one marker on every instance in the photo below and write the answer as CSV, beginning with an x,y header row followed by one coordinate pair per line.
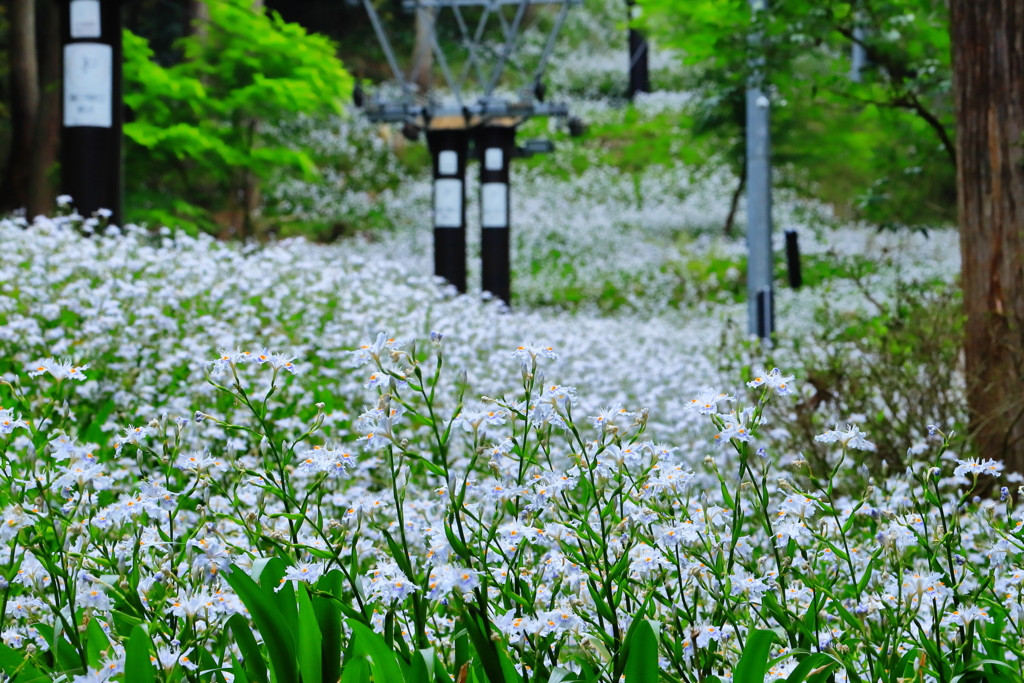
x,y
734,205
988,67
198,20
422,51
42,186
24,102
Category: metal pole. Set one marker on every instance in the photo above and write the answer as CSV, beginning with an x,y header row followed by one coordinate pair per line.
x,y
639,76
496,145
91,171
859,57
761,261
449,148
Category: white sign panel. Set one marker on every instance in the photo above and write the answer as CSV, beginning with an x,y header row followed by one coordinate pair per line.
x,y
88,84
447,162
494,201
448,203
85,18
493,158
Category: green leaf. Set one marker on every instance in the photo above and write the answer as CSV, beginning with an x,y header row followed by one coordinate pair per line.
x,y
67,657
328,618
255,667
309,640
753,662
138,668
96,643
806,665
277,637
642,662
486,651
422,669
269,573
383,661
14,664
560,675
357,670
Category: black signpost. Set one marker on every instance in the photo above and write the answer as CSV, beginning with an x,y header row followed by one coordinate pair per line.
x,y
496,145
448,149
639,74
92,112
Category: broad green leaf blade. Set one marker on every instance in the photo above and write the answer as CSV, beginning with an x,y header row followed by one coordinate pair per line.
x,y
96,643
64,652
357,670
309,640
13,664
253,658
279,641
269,573
486,652
328,617
753,662
422,669
138,667
642,661
383,660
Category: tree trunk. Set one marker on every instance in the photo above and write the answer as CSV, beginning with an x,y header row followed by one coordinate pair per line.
x,y
198,20
42,186
24,102
422,51
988,66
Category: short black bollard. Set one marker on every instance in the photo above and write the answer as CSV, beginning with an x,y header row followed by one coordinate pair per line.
x,y
793,260
448,148
765,313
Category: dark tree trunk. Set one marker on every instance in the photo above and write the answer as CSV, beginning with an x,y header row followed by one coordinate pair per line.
x,y
42,185
24,102
988,66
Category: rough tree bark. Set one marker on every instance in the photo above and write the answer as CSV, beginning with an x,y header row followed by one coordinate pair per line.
x,y
46,132
988,65
24,102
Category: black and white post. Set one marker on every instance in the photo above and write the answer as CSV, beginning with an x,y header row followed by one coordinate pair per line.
x,y
761,259
91,169
448,149
496,145
639,75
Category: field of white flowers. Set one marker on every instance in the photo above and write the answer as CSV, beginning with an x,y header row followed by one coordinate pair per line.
x,y
300,462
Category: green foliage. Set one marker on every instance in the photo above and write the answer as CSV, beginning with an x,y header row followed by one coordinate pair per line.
x,y
906,353
753,664
879,148
196,150
642,660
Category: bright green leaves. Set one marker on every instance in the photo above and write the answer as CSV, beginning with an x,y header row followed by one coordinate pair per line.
x,y
753,664
195,132
138,667
642,659
277,638
310,640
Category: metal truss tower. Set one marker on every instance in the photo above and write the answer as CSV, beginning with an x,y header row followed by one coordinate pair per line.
x,y
473,120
